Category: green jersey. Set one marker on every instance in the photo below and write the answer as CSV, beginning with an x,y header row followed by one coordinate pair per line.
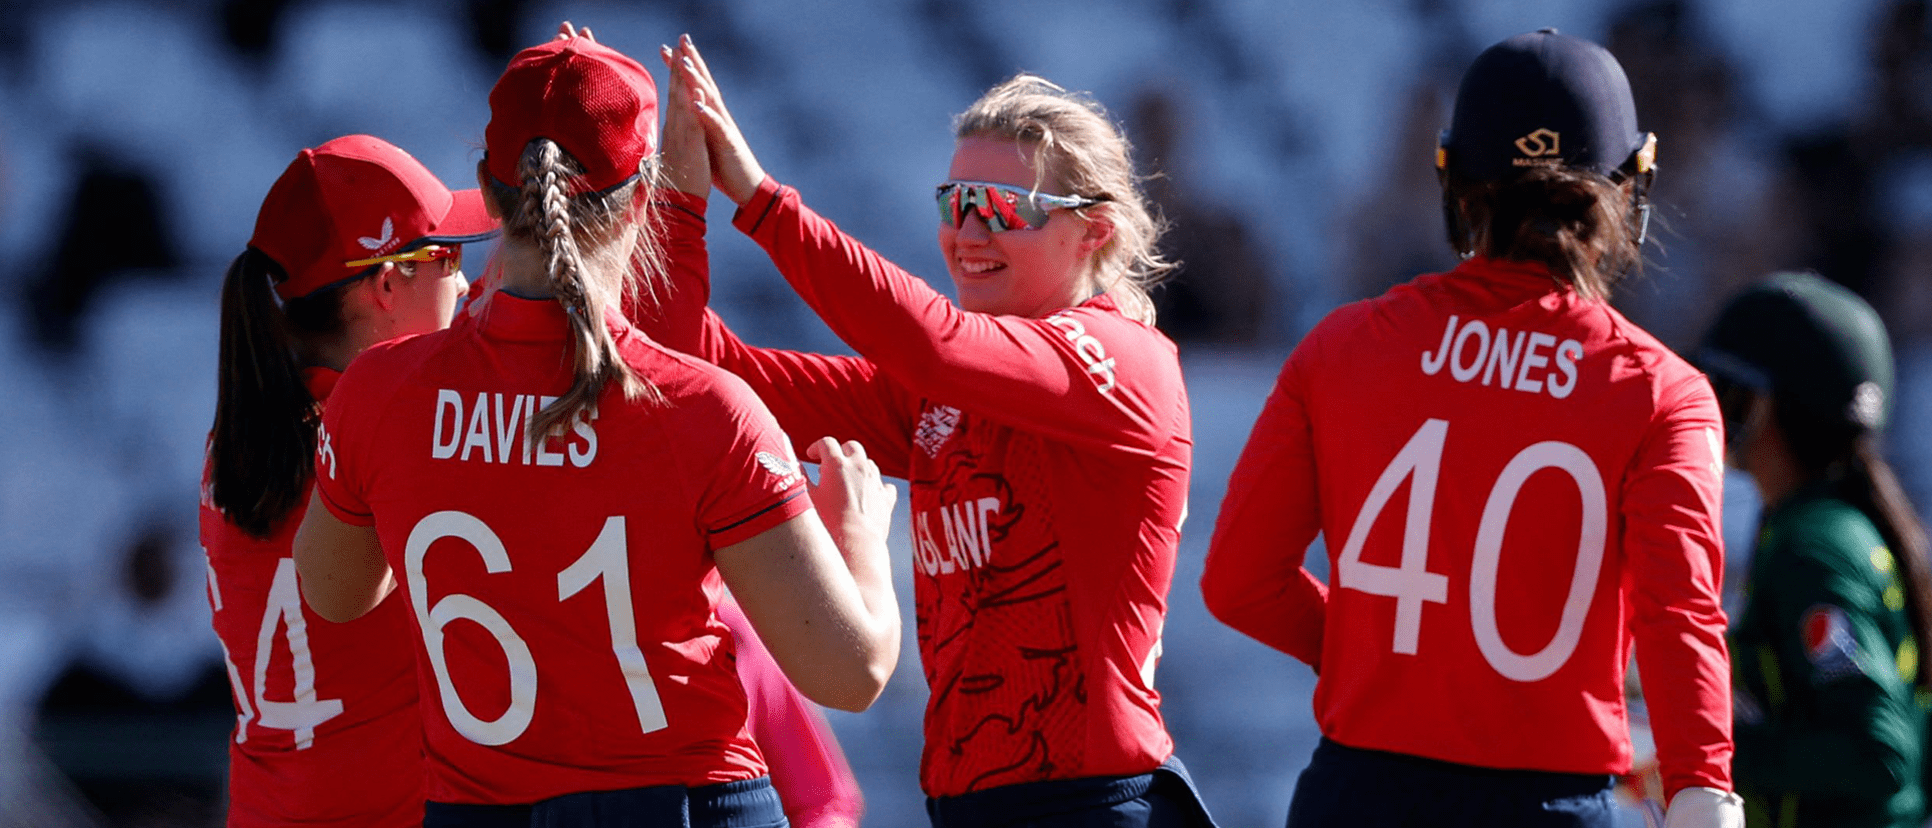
x,y
1829,729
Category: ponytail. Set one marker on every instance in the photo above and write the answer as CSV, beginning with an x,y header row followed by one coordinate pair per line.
x,y
261,453
1870,484
571,231
1847,456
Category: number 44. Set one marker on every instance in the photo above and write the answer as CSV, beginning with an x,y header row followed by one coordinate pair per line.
x,y
1412,584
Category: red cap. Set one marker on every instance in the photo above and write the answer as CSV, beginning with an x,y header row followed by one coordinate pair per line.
x,y
597,104
358,197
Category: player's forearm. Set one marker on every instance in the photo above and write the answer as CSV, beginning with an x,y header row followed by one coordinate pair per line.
x,y
1685,666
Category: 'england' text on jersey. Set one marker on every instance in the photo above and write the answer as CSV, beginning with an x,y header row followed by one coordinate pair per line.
x,y
498,424
1519,361
965,531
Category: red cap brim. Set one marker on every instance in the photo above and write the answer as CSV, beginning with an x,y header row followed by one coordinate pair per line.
x,y
467,220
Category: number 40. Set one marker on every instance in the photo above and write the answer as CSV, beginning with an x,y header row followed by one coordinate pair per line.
x,y
1412,584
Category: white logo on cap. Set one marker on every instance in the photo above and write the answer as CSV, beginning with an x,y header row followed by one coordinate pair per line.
x,y
388,235
1543,142
1867,404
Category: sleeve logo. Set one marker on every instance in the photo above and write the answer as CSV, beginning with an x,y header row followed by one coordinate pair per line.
x,y
936,426
785,470
1093,355
1829,643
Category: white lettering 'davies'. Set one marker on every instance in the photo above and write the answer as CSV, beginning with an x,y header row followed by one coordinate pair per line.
x,y
1521,361
496,430
1091,352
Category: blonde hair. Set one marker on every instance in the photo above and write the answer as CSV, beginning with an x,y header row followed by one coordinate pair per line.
x,y
576,232
1079,150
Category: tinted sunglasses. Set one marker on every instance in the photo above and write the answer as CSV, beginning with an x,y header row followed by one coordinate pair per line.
x,y
426,253
1003,206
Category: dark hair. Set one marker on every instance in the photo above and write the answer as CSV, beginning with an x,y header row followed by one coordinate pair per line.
x,y
1848,457
1577,222
261,453
572,229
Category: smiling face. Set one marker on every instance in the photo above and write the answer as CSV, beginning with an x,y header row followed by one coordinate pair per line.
x,y
1021,272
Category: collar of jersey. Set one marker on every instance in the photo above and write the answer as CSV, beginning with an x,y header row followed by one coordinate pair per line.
x,y
1510,272
320,381
515,318
512,317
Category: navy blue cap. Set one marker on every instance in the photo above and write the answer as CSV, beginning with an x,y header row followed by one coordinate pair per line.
x,y
1542,98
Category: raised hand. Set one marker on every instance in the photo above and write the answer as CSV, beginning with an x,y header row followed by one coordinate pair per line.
x,y
734,169
687,162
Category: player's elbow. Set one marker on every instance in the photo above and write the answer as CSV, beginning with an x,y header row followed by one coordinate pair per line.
x,y
335,601
852,691
1225,592
332,604
858,683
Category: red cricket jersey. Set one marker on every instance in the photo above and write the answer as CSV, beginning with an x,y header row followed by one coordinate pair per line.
x,y
1048,462
326,729
1515,486
563,591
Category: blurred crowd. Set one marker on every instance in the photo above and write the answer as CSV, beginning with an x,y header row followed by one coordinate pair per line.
x,y
1289,146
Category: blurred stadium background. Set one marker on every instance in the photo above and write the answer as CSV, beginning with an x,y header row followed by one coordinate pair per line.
x,y
1293,139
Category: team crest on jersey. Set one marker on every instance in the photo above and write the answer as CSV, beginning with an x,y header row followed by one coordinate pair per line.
x,y
785,470
1829,643
936,426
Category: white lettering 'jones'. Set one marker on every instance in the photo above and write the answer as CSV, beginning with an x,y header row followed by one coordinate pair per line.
x,y
1520,362
965,530
498,424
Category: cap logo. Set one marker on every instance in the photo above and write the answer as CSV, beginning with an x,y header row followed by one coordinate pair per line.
x,y
1539,144
1867,404
388,235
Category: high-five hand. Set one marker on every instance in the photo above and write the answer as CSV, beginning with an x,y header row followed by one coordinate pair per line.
x,y
687,162
733,168
565,31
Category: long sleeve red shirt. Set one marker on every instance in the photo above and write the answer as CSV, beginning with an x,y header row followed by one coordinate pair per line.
x,y
1516,486
1048,462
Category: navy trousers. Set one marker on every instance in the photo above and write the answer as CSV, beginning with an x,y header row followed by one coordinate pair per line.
x,y
748,804
1345,786
1165,798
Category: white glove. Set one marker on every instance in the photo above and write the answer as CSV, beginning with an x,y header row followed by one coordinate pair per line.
x,y
1705,808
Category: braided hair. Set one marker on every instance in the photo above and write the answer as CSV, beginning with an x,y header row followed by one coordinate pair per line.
x,y
577,233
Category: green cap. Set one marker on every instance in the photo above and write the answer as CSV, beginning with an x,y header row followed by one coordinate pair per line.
x,y
1811,342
